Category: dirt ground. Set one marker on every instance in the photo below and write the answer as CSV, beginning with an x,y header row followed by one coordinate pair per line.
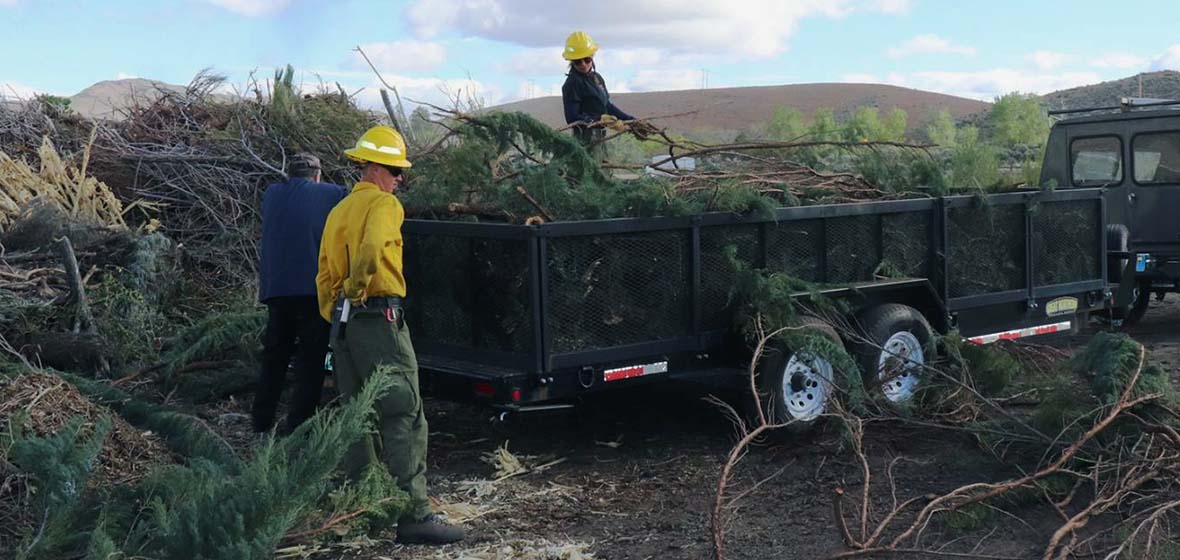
x,y
634,478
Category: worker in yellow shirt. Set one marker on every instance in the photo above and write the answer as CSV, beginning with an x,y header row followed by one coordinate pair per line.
x,y
360,288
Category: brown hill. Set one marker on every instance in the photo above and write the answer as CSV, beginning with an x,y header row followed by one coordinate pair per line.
x,y
109,98
736,109
1164,84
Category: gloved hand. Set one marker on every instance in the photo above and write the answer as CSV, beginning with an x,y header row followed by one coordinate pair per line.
x,y
613,123
642,129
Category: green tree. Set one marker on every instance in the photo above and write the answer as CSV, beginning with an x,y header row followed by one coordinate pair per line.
x,y
824,126
1018,119
863,125
974,163
785,125
941,129
894,126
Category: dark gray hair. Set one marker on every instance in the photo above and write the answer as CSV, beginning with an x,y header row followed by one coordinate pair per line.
x,y
303,165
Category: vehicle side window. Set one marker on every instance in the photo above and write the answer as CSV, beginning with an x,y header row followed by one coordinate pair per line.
x,y
1157,158
1096,161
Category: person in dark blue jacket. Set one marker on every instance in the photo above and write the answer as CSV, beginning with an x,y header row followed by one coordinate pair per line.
x,y
293,217
584,95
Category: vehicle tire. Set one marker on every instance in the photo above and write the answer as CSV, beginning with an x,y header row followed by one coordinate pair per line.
x,y
800,387
1138,308
1117,239
898,344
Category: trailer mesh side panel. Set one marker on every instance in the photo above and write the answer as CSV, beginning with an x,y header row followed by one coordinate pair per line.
x,y
611,290
905,240
796,248
469,292
1066,242
854,248
717,271
986,245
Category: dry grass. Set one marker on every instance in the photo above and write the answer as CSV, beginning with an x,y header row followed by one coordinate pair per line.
x,y
84,199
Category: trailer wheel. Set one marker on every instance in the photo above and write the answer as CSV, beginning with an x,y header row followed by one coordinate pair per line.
x,y
899,342
800,385
1117,239
1138,308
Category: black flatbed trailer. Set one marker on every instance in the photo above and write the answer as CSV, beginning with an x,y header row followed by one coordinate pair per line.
x,y
528,316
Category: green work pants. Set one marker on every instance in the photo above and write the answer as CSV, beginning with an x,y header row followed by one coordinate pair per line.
x,y
371,338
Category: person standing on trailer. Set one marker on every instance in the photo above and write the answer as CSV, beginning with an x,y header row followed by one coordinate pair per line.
x,y
361,286
584,96
293,216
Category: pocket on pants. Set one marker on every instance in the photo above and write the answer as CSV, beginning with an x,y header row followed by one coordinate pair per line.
x,y
402,398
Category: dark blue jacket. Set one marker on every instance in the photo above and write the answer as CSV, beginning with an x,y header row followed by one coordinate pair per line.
x,y
293,216
585,99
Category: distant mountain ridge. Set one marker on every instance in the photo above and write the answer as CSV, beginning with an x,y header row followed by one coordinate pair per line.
x,y
736,109
1164,84
108,99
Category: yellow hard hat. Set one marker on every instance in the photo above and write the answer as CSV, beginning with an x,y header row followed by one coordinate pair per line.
x,y
579,45
380,144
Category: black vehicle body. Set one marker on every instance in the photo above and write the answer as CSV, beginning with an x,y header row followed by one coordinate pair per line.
x,y
520,316
1134,155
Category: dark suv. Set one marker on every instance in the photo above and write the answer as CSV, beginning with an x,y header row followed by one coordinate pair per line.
x,y
1133,151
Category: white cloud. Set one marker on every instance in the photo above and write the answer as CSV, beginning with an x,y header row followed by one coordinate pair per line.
x,y
16,90
859,78
535,62
252,8
1047,60
756,28
1167,60
890,6
664,80
435,91
989,84
402,56
9,3
923,44
125,76
1119,60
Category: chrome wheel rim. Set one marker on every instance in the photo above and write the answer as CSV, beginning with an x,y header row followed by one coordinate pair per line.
x,y
807,385
899,366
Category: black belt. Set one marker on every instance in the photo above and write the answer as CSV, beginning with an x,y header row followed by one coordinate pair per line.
x,y
383,301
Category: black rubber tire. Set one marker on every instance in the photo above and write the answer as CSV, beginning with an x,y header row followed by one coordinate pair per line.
x,y
1139,306
877,324
770,378
1118,238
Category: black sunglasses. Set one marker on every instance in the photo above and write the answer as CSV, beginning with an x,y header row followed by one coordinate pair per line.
x,y
587,60
395,171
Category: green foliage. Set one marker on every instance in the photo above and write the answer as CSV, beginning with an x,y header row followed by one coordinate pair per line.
x,y
990,368
786,125
866,125
941,131
1018,119
970,518
60,465
771,299
205,509
184,434
219,335
201,512
129,323
1112,358
1059,409
377,494
973,163
54,101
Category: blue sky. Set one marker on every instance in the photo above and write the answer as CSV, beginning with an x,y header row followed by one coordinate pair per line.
x,y
503,50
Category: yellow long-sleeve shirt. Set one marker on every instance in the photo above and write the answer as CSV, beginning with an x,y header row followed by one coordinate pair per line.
x,y
361,250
